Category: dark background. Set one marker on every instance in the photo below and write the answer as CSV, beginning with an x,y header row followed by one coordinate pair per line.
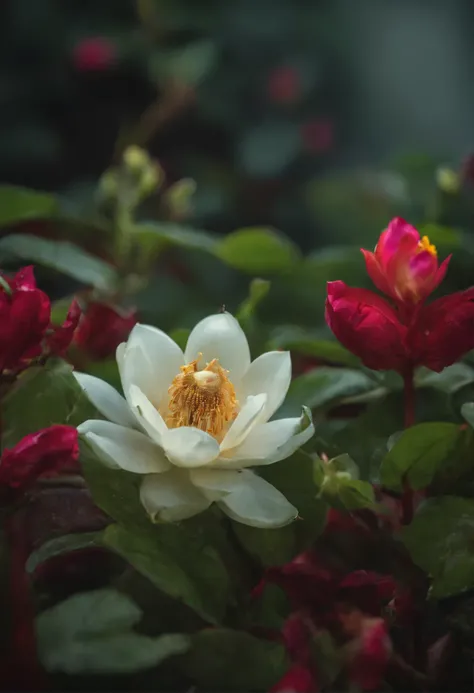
x,y
283,111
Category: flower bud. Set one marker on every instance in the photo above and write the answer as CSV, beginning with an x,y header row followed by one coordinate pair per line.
x,y
136,159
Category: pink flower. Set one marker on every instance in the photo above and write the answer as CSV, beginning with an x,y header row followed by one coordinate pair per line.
x,y
402,332
94,54
403,265
47,452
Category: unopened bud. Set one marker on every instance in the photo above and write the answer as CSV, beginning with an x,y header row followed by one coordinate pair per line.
x,y
151,179
179,195
108,185
448,180
136,159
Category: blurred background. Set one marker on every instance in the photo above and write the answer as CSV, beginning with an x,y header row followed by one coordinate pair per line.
x,y
319,118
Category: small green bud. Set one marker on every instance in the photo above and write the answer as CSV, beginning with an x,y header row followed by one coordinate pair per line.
x,y
151,179
136,159
448,180
108,185
178,197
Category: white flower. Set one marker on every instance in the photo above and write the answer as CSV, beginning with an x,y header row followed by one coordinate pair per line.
x,y
193,423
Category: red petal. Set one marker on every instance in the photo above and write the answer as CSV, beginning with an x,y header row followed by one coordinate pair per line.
x,y
24,279
444,331
298,679
368,666
24,318
102,328
46,452
375,272
366,325
59,341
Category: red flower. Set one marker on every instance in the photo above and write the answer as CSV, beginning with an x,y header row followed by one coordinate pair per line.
x,y
94,54
301,676
283,85
405,266
102,328
298,679
406,333
371,653
26,332
366,325
45,453
444,330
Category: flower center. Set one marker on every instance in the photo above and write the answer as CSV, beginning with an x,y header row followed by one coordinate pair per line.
x,y
424,244
202,399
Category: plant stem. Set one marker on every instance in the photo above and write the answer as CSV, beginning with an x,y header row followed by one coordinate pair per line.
x,y
409,416
409,399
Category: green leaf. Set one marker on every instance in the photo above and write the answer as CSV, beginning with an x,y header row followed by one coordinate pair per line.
x,y
43,396
295,479
305,342
91,633
228,660
419,452
440,541
20,204
449,380
257,251
61,256
467,411
61,545
326,386
178,563
168,234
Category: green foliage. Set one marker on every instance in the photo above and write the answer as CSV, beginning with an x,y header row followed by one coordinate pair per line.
x,y
440,541
324,387
257,251
41,397
227,660
21,204
91,632
311,343
176,562
418,453
61,256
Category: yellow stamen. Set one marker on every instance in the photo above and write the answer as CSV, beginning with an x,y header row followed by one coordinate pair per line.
x,y
425,244
203,399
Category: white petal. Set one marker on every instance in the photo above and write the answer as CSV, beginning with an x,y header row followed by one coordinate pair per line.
x,y
245,497
148,417
246,419
106,399
261,444
269,373
220,337
189,447
122,447
171,497
150,360
303,434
